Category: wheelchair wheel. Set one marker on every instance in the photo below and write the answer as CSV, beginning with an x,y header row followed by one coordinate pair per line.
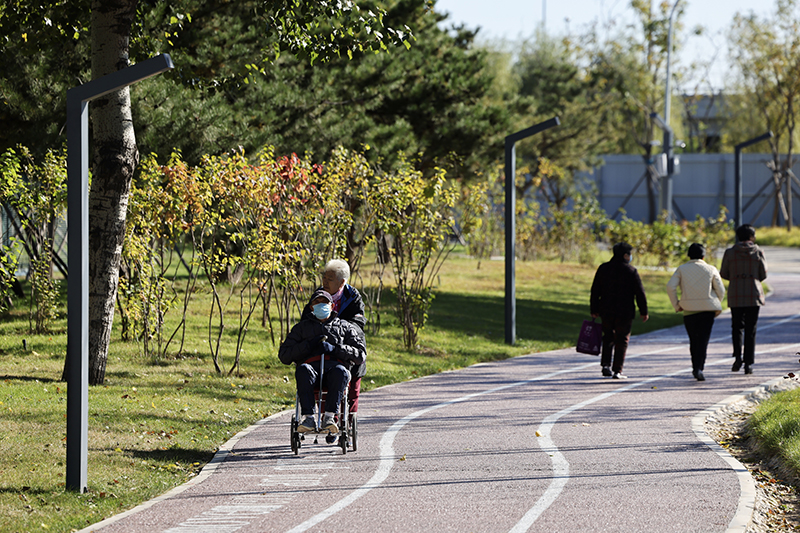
x,y
344,436
354,431
294,435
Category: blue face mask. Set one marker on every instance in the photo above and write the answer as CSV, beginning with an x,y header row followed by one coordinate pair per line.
x,y
322,310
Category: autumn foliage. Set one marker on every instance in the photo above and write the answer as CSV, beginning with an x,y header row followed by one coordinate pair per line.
x,y
260,229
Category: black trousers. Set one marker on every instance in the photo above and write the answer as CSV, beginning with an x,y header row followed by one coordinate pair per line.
x,y
743,324
335,380
616,334
698,326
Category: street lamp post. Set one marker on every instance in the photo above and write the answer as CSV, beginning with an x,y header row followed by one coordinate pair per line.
x,y
737,186
511,222
78,99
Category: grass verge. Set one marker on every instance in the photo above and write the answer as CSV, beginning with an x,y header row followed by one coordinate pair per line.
x,y
776,426
778,236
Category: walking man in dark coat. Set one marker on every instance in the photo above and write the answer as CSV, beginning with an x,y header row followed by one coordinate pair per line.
x,y
615,288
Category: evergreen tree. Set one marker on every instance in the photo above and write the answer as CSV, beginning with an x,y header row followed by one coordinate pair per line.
x,y
428,101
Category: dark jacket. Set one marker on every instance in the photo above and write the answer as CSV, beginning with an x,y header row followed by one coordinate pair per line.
x,y
304,341
745,267
616,285
351,308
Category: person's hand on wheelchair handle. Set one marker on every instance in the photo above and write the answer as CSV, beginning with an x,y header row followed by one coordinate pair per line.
x,y
327,347
317,341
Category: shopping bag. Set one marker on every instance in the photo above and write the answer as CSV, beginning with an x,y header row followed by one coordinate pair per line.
x,y
591,338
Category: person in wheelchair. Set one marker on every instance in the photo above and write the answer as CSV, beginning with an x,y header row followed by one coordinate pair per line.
x,y
322,333
349,305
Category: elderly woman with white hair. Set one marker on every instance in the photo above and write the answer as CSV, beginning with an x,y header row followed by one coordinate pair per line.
x,y
348,305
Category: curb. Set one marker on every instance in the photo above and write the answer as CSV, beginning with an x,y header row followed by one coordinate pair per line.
x,y
222,453
747,498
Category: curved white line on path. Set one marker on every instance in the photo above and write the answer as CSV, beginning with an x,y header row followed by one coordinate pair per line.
x,y
386,447
560,465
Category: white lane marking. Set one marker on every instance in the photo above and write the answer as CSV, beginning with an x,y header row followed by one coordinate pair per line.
x,y
292,480
387,442
561,470
747,488
561,465
230,517
386,448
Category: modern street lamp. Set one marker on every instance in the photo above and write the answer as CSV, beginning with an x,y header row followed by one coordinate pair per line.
x,y
78,99
511,222
737,185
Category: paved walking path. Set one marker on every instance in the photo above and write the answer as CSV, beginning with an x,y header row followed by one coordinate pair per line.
x,y
535,443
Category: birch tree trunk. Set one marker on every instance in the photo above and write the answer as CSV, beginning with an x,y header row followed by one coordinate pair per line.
x,y
114,159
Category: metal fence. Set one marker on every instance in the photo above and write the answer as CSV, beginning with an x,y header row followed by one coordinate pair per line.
x,y
705,182
9,236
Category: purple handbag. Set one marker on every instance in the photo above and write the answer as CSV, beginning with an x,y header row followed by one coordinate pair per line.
x,y
591,338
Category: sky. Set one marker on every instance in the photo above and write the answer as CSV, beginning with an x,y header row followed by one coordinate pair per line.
x,y
514,19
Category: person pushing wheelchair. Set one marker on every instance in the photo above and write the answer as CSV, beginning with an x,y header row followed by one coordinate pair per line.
x,y
317,337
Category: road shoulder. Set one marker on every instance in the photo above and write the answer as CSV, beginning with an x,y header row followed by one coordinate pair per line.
x,y
777,499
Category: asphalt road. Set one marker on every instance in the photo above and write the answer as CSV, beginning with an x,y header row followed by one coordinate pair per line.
x,y
535,443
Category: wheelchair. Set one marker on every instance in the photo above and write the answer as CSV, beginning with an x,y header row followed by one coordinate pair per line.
x,y
346,420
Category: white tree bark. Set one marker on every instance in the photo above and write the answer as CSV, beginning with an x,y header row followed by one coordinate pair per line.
x,y
114,159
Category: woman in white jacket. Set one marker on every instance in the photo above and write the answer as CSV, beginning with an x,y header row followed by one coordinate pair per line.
x,y
702,292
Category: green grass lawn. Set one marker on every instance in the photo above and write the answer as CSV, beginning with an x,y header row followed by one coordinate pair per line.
x,y
154,424
776,426
778,236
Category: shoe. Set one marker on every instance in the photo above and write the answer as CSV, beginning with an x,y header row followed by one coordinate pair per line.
x,y
307,425
736,365
607,372
329,424
748,369
618,375
698,375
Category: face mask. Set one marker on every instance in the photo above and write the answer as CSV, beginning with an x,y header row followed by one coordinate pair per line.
x,y
322,311
630,258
